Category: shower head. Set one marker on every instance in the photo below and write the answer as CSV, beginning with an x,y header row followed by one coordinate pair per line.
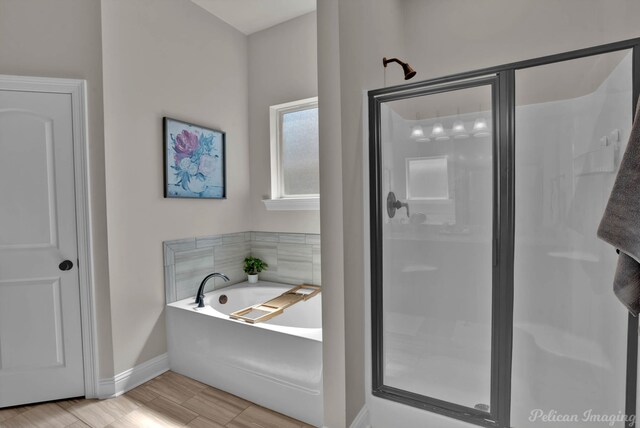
x,y
409,72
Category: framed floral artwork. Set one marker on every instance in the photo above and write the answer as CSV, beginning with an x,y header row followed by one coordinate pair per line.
x,y
194,161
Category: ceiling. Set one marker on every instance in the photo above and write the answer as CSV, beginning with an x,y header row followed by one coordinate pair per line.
x,y
250,16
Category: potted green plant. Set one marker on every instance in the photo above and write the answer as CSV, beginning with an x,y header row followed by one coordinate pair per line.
x,y
252,267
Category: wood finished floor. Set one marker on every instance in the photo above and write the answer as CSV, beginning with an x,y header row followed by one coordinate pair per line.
x,y
170,400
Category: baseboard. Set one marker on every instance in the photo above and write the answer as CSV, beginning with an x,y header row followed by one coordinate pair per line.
x,y
362,419
129,379
106,389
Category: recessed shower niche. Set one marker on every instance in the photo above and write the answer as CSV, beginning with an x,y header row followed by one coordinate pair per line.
x,y
491,294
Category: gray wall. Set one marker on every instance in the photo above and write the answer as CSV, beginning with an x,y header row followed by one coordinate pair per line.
x,y
437,37
63,39
164,58
368,32
282,68
496,32
331,212
197,73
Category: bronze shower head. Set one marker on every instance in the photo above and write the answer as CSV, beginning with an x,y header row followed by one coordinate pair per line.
x,y
409,72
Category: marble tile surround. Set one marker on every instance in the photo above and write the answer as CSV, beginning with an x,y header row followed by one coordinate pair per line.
x,y
293,258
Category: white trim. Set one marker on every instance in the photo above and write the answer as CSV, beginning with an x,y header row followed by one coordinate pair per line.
x,y
275,121
135,376
296,105
362,419
292,204
77,90
366,249
106,389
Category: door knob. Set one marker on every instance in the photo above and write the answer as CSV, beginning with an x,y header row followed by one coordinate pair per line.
x,y
66,265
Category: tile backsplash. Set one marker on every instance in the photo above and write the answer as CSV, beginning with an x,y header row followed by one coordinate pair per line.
x,y
293,258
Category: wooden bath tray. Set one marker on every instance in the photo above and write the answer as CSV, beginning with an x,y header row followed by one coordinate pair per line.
x,y
271,308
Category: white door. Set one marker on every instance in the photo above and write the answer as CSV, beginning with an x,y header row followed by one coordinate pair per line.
x,y
40,334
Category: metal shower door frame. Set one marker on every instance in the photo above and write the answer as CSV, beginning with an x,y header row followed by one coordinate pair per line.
x,y
502,80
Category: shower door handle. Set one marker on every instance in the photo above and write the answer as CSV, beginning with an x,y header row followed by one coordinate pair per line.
x,y
393,204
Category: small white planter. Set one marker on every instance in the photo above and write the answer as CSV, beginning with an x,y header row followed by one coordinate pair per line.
x,y
253,279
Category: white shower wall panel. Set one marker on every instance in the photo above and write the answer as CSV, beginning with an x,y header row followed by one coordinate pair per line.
x,y
569,340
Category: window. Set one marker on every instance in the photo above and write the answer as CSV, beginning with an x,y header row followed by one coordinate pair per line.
x,y
427,178
295,171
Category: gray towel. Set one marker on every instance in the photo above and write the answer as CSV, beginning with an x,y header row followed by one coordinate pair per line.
x,y
620,225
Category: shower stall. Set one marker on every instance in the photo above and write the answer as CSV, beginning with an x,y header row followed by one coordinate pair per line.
x,y
491,295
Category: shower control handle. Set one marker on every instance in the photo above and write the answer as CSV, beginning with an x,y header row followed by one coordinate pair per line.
x,y
394,204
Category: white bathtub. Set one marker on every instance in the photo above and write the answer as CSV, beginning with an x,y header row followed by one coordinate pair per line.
x,y
277,364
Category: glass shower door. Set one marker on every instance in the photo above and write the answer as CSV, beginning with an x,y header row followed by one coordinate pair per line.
x,y
434,249
491,294
573,119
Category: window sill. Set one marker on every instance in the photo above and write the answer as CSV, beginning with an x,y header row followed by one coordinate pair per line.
x,y
292,204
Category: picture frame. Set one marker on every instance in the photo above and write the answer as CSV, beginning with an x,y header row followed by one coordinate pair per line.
x,y
194,161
